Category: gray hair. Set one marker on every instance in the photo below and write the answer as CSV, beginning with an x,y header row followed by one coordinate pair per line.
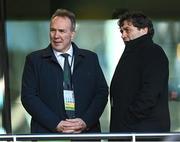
x,y
68,14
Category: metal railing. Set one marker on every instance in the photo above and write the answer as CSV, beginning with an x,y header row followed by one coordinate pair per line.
x,y
133,137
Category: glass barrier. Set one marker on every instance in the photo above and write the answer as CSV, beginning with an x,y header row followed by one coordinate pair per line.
x,y
104,38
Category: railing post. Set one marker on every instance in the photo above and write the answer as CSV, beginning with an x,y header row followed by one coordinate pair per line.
x,y
14,138
133,138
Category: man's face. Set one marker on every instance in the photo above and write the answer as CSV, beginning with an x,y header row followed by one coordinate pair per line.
x,y
130,32
61,33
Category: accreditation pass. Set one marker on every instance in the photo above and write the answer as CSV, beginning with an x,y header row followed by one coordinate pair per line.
x,y
69,100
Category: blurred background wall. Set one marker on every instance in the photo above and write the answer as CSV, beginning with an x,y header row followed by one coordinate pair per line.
x,y
24,27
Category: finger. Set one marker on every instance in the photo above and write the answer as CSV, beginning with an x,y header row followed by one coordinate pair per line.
x,y
76,132
71,120
68,131
67,124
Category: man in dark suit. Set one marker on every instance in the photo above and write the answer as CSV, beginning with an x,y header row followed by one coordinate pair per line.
x,y
44,94
139,87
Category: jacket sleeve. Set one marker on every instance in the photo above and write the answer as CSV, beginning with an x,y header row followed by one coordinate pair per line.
x,y
100,99
30,100
155,74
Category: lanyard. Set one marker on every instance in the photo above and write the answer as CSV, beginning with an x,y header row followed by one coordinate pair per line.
x,y
71,67
71,64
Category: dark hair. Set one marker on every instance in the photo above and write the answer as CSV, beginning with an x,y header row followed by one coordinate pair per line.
x,y
66,13
138,19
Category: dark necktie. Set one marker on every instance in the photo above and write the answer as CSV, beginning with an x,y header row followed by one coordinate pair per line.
x,y
67,73
67,84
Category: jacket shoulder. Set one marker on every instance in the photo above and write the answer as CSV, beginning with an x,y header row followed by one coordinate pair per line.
x,y
82,51
37,53
154,52
88,52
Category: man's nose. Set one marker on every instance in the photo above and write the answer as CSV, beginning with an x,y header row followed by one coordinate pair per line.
x,y
57,34
123,34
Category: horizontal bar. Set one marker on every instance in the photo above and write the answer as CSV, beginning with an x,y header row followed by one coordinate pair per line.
x,y
90,136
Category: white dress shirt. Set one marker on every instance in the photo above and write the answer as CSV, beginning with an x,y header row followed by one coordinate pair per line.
x,y
60,58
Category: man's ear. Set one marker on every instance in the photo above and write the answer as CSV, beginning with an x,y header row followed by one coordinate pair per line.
x,y
145,30
73,35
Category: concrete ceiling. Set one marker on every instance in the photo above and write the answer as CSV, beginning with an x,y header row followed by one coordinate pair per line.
x,y
91,9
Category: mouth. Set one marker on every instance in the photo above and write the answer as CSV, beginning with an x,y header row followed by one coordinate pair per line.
x,y
57,42
126,39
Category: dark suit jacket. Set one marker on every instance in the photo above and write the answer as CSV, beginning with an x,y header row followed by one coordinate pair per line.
x,y
42,89
139,89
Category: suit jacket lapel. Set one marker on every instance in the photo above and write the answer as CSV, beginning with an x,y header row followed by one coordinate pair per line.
x,y
78,56
48,53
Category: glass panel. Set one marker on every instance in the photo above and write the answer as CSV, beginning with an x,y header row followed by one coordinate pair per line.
x,y
22,38
1,87
103,37
168,36
2,82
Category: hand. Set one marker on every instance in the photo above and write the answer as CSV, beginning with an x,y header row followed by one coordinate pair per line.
x,y
76,125
64,127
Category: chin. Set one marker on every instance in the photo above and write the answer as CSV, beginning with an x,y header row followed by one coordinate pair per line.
x,y
57,48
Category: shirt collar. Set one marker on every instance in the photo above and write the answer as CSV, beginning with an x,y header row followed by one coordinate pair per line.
x,y
69,51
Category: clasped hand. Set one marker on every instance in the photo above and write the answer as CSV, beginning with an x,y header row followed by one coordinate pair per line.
x,y
76,125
